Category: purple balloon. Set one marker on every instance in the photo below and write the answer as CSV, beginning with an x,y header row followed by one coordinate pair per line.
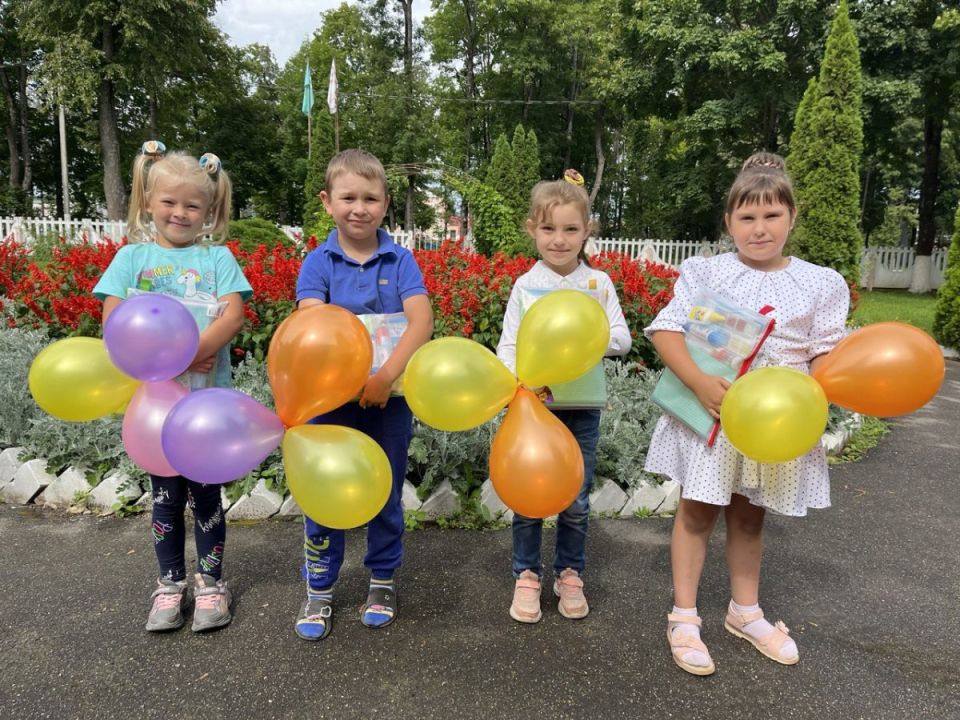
x,y
143,423
217,435
151,337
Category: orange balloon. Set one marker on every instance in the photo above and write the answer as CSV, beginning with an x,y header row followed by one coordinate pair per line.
x,y
535,462
319,358
884,369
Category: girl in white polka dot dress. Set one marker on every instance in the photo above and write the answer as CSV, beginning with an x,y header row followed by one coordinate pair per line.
x,y
810,306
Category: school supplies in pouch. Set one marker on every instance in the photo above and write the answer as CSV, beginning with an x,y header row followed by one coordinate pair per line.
x,y
385,332
587,391
204,310
723,339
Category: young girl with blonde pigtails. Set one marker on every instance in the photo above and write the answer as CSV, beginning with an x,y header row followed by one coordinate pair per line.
x,y
176,200
559,224
810,309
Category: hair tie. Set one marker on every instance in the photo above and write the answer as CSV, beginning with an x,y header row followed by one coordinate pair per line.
x,y
573,177
153,149
210,163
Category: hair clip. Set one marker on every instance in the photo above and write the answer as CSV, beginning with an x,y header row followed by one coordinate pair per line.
x,y
573,177
210,163
153,149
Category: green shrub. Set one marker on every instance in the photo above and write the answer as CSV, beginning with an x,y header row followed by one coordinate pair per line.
x,y
946,320
18,348
253,232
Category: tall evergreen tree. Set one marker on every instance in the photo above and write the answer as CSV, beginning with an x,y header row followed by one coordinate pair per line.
x,y
946,319
824,158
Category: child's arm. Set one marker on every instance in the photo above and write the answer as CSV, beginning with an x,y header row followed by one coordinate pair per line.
x,y
419,316
620,339
110,304
709,389
220,332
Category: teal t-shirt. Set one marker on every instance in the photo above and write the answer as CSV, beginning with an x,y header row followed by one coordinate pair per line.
x,y
199,275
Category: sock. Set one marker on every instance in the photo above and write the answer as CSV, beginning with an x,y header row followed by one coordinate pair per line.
x,y
693,657
381,605
315,626
760,629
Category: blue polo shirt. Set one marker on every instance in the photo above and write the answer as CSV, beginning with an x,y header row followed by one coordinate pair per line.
x,y
380,285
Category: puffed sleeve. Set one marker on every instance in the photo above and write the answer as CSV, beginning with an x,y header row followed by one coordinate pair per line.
x,y
507,347
830,315
693,276
620,340
118,276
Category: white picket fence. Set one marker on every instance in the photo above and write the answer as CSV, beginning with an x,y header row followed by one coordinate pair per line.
x,y
885,267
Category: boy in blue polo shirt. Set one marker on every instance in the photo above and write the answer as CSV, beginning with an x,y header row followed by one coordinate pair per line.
x,y
362,269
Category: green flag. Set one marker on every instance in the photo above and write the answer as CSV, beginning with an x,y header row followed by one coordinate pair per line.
x,y
307,91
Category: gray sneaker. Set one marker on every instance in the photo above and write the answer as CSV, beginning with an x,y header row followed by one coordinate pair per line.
x,y
211,604
165,613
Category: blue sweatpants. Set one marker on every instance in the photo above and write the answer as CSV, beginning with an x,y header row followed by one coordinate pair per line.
x,y
391,427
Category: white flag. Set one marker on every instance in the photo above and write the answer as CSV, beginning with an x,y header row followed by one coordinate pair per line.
x,y
332,88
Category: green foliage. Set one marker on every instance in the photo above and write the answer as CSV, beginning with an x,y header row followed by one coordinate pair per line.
x,y
865,437
946,321
515,169
255,339
253,232
18,348
824,159
495,225
461,457
627,424
250,377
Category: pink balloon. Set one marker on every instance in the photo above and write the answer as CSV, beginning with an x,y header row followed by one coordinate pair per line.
x,y
143,424
217,435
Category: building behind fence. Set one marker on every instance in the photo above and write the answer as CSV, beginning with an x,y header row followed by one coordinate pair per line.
x,y
882,267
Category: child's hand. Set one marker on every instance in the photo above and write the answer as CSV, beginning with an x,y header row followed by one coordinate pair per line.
x,y
710,390
375,393
203,365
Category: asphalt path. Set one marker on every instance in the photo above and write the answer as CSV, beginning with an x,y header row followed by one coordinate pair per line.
x,y
869,588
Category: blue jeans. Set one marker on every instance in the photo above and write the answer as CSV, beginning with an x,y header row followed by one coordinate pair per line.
x,y
392,428
572,522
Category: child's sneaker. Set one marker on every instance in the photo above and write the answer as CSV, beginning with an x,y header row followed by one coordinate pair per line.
x,y
165,613
526,598
211,604
569,588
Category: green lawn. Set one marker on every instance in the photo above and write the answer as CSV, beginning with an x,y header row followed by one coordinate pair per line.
x,y
882,305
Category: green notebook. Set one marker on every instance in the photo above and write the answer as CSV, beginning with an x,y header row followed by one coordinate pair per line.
x,y
588,391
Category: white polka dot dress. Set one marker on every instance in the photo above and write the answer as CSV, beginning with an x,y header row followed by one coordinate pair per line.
x,y
810,306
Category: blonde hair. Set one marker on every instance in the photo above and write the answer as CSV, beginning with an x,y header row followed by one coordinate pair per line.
x,y
179,168
358,162
762,179
549,194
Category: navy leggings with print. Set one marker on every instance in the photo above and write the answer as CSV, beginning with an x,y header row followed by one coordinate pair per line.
x,y
170,496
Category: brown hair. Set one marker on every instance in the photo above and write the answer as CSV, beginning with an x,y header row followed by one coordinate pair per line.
x,y
358,162
762,179
548,194
179,168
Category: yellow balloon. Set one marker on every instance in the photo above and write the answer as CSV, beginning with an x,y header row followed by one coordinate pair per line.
x,y
454,384
561,336
773,415
340,477
74,380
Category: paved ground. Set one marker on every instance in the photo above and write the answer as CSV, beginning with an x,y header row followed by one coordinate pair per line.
x,y
869,587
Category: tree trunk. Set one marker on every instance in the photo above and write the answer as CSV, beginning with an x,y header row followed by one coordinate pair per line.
x,y
929,186
26,182
574,89
470,51
408,73
13,127
110,136
154,124
601,158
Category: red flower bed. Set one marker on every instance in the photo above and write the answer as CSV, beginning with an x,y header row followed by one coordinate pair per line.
x,y
469,292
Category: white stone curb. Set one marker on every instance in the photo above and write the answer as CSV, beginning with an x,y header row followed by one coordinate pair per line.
x,y
29,480
647,498
62,491
442,502
9,464
260,504
492,502
107,494
607,499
